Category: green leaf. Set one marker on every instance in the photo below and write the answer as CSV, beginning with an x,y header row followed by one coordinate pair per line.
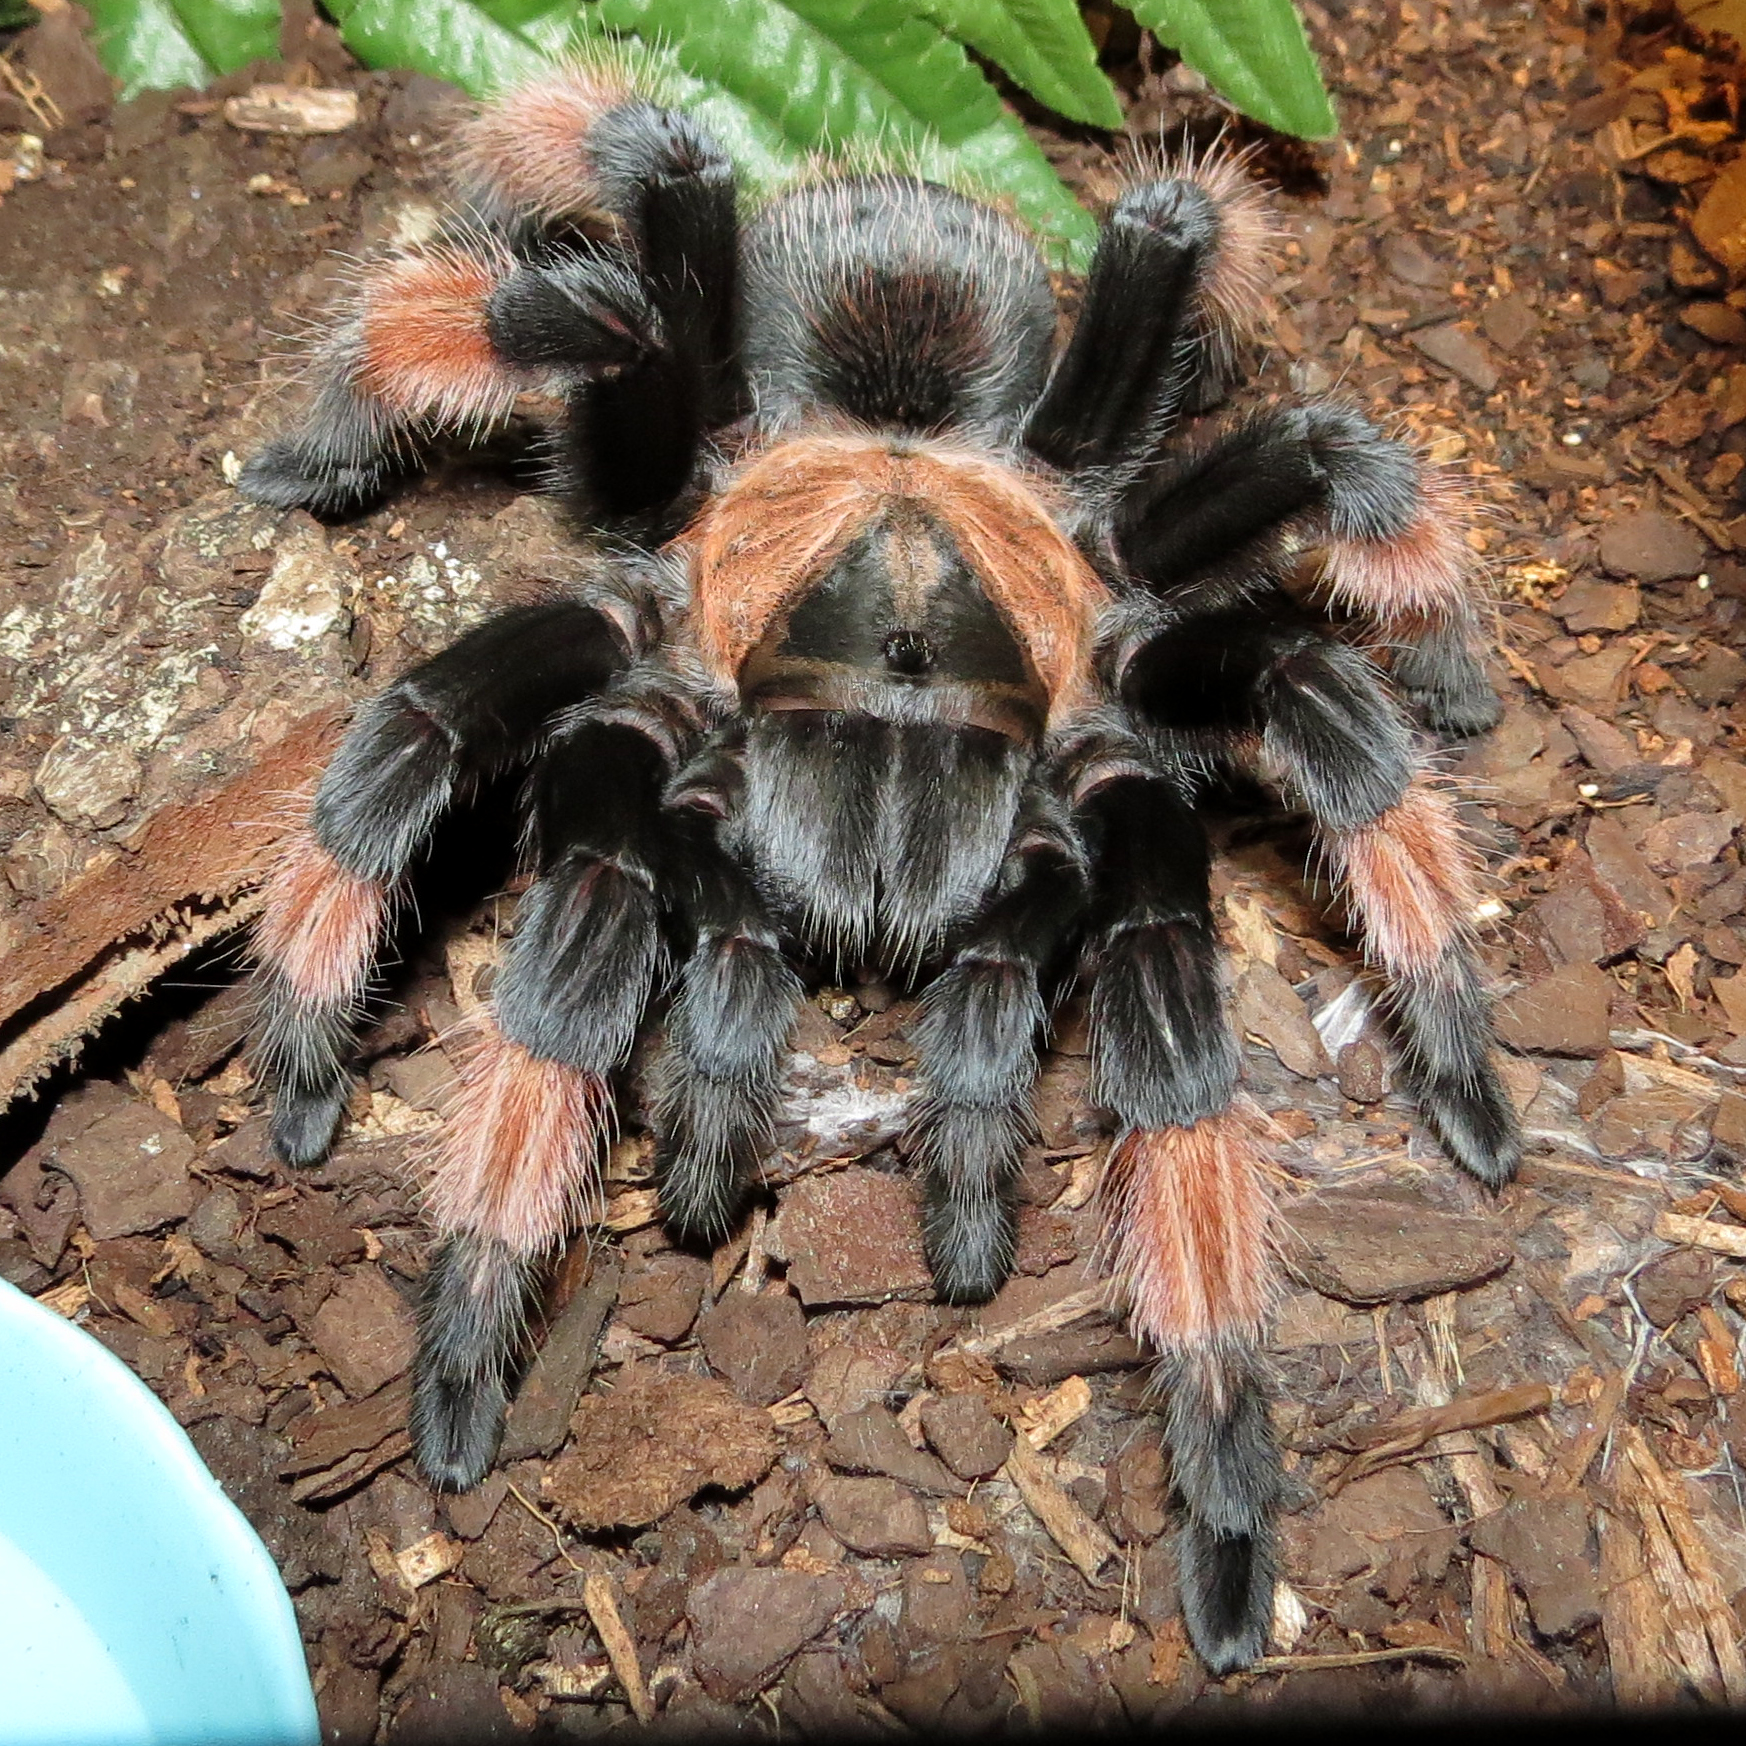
x,y
1253,52
157,45
1042,45
833,73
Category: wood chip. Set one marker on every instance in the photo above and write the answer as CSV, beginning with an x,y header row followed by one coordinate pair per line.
x,y
1044,1420
621,1649
1091,1550
1060,1314
1702,1234
427,1559
294,109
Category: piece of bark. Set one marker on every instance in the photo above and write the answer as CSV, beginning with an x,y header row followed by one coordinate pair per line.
x,y
539,1416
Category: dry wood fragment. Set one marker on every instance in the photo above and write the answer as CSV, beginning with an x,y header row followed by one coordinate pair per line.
x,y
1718,1352
1063,1313
1047,1418
1091,1550
1379,1445
1702,1234
1359,1658
1702,1625
1574,1463
1631,1621
620,1648
293,109
427,1559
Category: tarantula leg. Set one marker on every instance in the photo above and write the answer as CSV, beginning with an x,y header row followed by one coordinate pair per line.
x,y
516,1169
1186,1205
473,708
446,337
1177,271
1188,1213
715,1085
977,1044
1410,875
1206,523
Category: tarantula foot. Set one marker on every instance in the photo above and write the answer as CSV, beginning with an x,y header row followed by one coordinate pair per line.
x,y
1227,1595
1446,690
969,1248
457,1424
280,478
305,1122
1476,1125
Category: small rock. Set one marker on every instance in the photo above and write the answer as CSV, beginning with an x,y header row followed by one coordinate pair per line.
x,y
871,1441
364,1332
1691,839
131,1169
653,1442
1381,1245
1674,1284
1509,322
1460,353
746,1623
660,1299
852,1236
1267,1006
1597,606
1651,547
757,1342
1411,262
1544,1544
1566,1013
876,1517
305,594
1361,1073
965,1434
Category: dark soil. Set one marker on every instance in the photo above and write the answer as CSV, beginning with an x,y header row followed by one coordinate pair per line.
x,y
836,1531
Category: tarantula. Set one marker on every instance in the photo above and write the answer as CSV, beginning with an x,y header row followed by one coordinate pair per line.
x,y
915,641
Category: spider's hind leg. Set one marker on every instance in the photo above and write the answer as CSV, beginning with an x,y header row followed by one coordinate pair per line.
x,y
472,709
1185,1198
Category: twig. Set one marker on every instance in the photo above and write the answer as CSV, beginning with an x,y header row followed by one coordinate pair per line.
x,y
621,1650
1357,1658
1413,1430
1702,1234
1091,1550
1056,1316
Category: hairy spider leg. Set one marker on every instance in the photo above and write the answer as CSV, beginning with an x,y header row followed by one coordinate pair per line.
x,y
1178,273
516,1169
977,1044
639,337
1206,527
1185,1199
475,708
1327,726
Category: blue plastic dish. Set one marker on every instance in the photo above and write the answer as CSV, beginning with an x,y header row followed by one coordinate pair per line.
x,y
137,1606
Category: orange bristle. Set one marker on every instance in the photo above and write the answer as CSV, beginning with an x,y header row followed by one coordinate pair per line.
x,y
427,349
1412,876
1188,1212
786,517
529,147
1234,290
1425,572
320,923
519,1159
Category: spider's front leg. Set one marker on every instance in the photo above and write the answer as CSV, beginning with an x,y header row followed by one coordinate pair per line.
x,y
477,707
977,1047
1185,1196
639,340
1328,728
1200,527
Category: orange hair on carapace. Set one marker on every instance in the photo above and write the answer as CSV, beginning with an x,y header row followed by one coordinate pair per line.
x,y
779,525
1188,1212
319,924
1412,877
519,1158
427,348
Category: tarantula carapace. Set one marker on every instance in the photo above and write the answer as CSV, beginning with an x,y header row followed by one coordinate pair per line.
x,y
913,643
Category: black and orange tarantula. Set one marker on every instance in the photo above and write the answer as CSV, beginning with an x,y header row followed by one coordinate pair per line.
x,y
915,640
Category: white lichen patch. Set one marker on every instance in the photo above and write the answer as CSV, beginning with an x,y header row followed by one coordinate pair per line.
x,y
440,596
305,596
